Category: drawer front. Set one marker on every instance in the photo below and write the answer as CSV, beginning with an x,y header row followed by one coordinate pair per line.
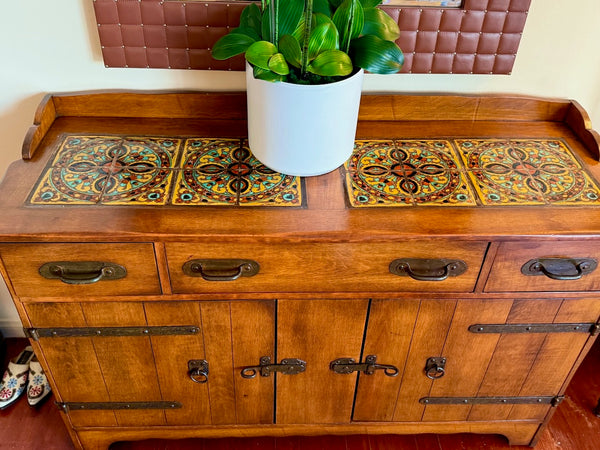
x,y
330,267
128,269
544,267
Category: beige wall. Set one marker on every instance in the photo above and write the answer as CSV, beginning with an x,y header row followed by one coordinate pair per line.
x,y
52,46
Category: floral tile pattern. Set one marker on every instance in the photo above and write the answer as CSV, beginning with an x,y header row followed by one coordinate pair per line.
x,y
406,173
117,170
526,171
145,171
467,172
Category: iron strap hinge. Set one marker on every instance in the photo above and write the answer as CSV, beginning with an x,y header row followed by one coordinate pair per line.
x,y
83,406
587,327
539,400
37,333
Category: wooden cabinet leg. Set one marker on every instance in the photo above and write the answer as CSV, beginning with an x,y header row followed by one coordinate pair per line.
x,y
94,440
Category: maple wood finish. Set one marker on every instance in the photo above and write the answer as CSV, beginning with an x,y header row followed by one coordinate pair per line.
x,y
323,291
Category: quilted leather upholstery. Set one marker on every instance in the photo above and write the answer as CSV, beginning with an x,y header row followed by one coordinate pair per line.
x,y
482,37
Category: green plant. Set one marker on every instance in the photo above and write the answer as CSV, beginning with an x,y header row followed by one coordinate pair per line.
x,y
314,41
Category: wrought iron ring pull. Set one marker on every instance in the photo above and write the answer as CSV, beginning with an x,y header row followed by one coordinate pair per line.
x,y
221,269
349,365
289,366
424,269
82,272
563,269
198,370
435,367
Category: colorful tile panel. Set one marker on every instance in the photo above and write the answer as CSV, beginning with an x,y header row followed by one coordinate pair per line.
x,y
130,170
117,170
467,172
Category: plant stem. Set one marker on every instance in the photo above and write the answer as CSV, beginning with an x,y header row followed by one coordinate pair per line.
x,y
275,22
308,10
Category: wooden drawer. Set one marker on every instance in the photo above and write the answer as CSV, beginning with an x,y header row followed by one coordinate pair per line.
x,y
507,275
23,263
324,267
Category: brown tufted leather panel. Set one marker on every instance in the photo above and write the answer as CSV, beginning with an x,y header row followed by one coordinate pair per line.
x,y
482,37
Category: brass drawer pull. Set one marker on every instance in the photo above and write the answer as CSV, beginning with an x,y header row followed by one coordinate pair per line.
x,y
221,269
348,365
82,272
289,366
424,269
435,367
198,370
560,268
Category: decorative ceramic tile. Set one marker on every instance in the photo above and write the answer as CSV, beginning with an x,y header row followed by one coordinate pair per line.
x,y
405,173
526,172
61,186
118,170
222,171
138,184
108,169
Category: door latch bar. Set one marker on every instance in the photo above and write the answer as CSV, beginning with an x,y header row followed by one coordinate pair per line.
x,y
349,365
288,366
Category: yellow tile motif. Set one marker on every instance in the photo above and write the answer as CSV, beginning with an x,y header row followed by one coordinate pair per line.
x,y
145,171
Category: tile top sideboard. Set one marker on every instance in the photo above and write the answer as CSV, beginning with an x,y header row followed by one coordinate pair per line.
x,y
444,280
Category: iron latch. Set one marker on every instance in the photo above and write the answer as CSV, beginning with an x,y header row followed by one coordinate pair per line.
x,y
198,370
349,365
288,366
435,367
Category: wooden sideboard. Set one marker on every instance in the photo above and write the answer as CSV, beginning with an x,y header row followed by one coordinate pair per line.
x,y
443,281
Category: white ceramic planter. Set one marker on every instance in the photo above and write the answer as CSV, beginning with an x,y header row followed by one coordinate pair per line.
x,y
302,130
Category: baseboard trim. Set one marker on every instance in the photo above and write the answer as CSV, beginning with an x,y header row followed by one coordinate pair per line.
x,y
11,328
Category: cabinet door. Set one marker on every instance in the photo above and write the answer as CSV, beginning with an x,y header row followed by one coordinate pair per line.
x,y
318,332
106,372
402,333
480,368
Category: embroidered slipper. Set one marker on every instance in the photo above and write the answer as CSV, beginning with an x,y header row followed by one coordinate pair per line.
x,y
15,378
38,388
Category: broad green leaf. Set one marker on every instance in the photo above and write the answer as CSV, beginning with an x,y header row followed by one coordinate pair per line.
x,y
231,44
349,20
250,32
288,17
378,23
331,63
267,75
278,64
251,19
319,19
323,37
259,54
370,3
376,55
322,6
290,48
290,12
